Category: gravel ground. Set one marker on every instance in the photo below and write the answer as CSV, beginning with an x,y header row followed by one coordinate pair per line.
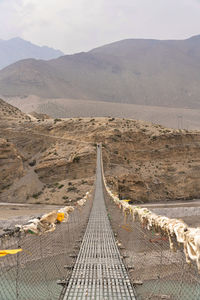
x,y
188,211
15,213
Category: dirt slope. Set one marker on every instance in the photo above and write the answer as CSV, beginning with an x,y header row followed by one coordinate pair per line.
x,y
8,111
68,108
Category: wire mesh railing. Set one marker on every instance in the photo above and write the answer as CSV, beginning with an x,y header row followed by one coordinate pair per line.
x,y
45,260
156,271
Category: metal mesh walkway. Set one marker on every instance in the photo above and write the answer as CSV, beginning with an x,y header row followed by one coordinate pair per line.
x,y
99,272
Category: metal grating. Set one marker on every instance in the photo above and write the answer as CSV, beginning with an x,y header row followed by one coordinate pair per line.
x,y
99,272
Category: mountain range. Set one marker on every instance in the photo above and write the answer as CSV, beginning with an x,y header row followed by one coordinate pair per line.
x,y
134,71
17,49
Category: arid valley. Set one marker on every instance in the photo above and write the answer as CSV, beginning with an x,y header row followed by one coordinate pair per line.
x,y
47,161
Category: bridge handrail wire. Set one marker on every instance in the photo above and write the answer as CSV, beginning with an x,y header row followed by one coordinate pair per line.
x,y
45,260
157,271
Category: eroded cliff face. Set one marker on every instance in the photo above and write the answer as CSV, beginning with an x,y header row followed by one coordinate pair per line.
x,y
11,164
66,161
153,163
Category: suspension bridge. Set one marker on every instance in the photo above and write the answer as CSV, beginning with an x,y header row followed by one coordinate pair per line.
x,y
99,272
83,255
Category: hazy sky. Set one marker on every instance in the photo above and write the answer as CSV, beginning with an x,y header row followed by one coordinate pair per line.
x,y
80,25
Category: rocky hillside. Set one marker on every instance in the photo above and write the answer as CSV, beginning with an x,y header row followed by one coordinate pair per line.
x,y
152,163
145,72
54,160
8,111
51,170
11,164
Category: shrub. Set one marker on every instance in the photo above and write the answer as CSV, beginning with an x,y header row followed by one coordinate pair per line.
x,y
57,120
32,163
36,195
76,159
72,188
61,186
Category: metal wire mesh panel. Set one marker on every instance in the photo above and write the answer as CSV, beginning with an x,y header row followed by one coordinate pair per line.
x,y
155,270
33,273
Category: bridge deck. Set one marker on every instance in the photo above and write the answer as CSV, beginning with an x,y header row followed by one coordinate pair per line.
x,y
99,272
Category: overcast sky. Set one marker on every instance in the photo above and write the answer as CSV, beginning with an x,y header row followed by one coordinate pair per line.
x,y
80,25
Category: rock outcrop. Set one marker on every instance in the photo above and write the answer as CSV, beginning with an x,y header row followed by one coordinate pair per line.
x,y
11,165
65,161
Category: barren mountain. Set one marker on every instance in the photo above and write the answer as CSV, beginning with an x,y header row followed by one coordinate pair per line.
x,y
17,49
148,72
53,161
